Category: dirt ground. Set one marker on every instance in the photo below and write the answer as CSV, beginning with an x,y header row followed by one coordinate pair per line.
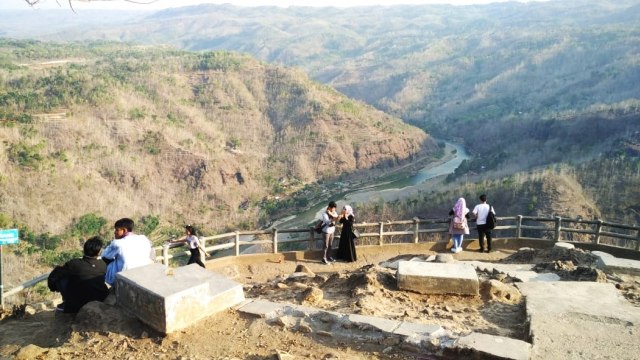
x,y
366,287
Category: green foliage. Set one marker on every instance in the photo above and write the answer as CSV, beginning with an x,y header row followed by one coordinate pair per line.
x,y
175,119
348,107
151,142
89,225
27,156
5,221
47,241
148,224
234,142
53,258
217,60
137,114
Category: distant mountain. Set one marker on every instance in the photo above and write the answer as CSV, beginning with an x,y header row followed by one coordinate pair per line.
x,y
215,137
448,69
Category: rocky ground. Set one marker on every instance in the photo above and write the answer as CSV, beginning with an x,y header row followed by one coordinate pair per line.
x,y
366,287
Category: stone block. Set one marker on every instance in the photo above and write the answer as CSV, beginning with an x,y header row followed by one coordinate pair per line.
x,y
170,299
437,278
495,347
611,264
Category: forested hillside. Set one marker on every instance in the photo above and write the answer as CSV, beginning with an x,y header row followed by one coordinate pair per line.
x,y
95,132
539,93
501,70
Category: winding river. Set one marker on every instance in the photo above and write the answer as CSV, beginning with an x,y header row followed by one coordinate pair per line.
x,y
386,191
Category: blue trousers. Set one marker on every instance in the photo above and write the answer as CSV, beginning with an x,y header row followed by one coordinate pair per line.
x,y
457,240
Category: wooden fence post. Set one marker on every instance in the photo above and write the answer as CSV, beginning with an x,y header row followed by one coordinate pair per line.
x,y
519,228
416,229
165,254
556,236
381,229
237,243
275,240
596,239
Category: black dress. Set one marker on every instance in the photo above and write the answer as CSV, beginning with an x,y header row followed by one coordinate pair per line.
x,y
347,246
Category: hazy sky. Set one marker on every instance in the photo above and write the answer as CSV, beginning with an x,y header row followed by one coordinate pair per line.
x,y
161,4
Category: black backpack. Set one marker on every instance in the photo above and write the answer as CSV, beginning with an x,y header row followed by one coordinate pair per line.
x,y
318,227
491,218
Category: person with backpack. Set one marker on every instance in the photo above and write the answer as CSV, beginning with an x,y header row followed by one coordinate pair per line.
x,y
329,218
458,226
485,221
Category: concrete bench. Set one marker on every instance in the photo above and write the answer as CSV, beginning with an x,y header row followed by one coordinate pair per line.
x,y
437,278
170,299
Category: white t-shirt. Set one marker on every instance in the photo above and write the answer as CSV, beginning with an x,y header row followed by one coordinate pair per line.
x,y
193,242
326,221
129,252
481,211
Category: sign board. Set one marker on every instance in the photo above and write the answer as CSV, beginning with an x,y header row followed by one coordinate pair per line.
x,y
8,237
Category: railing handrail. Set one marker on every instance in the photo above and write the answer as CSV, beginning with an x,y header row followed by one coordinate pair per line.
x,y
518,227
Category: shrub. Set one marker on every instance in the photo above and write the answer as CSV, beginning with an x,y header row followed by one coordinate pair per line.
x,y
27,156
89,225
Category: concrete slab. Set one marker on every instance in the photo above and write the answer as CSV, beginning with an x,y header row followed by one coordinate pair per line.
x,y
413,329
437,278
580,320
495,347
170,299
381,324
611,264
564,245
262,308
521,272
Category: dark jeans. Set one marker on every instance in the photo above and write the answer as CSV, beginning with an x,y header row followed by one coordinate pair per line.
x,y
483,231
62,285
195,257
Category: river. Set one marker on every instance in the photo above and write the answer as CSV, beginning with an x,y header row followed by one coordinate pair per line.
x,y
384,191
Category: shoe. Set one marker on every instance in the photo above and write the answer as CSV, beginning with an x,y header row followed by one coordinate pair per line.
x,y
324,261
453,250
60,307
458,250
332,259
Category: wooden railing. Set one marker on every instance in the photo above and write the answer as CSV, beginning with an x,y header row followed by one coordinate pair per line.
x,y
422,230
407,231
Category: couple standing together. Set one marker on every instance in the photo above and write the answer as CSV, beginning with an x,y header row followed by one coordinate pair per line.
x,y
458,227
347,248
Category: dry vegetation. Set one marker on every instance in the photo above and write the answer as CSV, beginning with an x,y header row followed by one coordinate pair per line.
x,y
207,139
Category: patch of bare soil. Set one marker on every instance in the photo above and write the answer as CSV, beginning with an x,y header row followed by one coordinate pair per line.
x,y
101,331
371,290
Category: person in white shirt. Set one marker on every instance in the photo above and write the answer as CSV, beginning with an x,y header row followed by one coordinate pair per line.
x,y
194,245
329,218
481,211
126,251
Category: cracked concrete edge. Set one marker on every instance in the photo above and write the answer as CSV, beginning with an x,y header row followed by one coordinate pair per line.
x,y
413,336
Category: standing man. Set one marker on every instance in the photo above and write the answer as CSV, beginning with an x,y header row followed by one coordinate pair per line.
x,y
481,211
127,251
328,229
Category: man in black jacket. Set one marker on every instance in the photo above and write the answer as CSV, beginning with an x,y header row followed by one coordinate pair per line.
x,y
81,280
